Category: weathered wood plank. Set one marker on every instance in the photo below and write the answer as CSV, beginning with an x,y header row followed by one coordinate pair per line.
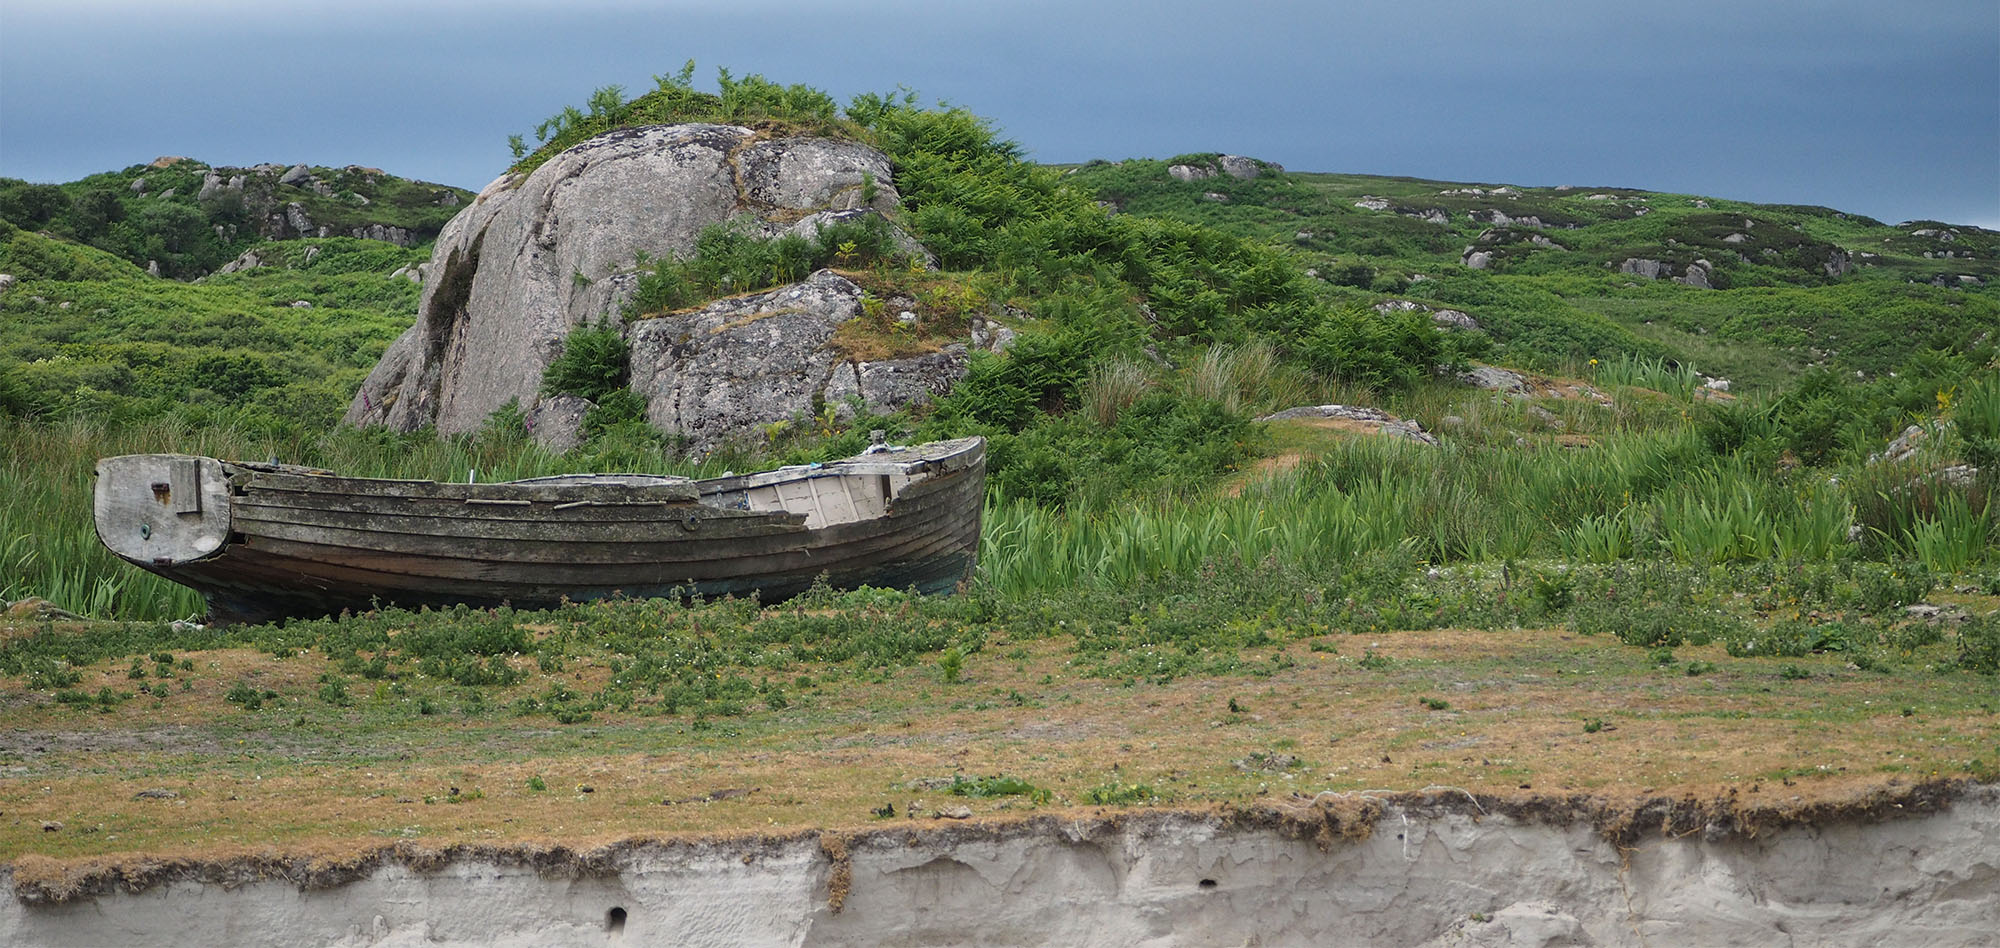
x,y
540,492
505,526
588,562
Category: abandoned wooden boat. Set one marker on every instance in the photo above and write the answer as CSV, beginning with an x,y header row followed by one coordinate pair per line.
x,y
268,541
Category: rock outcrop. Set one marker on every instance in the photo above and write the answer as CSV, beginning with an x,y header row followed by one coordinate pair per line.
x,y
716,374
1235,166
1358,418
1694,274
256,193
1442,318
535,256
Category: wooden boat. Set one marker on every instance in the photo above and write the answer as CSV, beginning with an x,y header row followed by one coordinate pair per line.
x,y
269,541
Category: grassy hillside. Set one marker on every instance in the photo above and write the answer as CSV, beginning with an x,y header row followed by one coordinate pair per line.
x,y
188,218
1805,286
86,334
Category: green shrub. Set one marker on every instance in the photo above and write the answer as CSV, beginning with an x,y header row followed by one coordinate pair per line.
x,y
1386,353
1791,638
734,257
998,786
595,362
1120,794
1979,644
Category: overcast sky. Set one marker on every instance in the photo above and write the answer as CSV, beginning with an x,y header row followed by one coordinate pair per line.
x,y
1885,109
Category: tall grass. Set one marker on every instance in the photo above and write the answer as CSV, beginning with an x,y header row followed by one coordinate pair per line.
x,y
1651,495
1679,379
1112,387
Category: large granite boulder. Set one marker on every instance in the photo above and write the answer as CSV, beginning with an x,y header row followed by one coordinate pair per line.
x,y
535,256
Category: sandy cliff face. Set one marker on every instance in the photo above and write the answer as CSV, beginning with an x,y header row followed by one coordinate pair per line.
x,y
1436,873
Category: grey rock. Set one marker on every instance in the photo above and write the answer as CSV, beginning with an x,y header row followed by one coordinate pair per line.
x,y
500,293
556,422
1442,318
1453,319
1904,447
1216,196
1640,266
6,281
385,233
1495,379
888,385
715,375
247,260
1385,423
1245,169
1478,259
296,175
1500,218
138,185
1190,172
1368,203
302,304
1957,475
1696,275
1002,338
296,223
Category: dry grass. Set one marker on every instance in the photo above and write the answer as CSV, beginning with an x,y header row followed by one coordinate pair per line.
x,y
335,784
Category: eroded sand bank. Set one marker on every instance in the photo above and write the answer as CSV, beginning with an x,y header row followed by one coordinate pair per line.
x,y
1413,869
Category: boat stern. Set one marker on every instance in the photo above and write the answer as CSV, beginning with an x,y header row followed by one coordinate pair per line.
x,y
162,510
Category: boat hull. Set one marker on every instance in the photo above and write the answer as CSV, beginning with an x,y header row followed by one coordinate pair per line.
x,y
262,542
